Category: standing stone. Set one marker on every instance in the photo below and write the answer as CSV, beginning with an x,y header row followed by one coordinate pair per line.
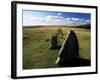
x,y
60,31
53,44
69,52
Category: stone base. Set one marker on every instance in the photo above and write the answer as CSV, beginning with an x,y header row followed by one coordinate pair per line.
x,y
73,63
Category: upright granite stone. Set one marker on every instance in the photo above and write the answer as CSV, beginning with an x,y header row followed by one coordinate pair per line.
x,y
69,52
53,43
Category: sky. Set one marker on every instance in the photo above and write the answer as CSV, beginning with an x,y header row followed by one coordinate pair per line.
x,y
36,18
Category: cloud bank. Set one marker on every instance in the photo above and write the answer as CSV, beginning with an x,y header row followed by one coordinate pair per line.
x,y
54,20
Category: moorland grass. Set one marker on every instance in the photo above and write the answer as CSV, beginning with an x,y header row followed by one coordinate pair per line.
x,y
36,46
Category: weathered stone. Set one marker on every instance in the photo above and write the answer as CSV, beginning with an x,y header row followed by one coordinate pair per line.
x,y
60,31
69,52
53,44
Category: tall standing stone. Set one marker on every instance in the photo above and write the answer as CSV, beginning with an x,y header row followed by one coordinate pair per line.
x,y
69,52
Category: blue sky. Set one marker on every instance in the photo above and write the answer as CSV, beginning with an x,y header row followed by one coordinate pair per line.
x,y
36,18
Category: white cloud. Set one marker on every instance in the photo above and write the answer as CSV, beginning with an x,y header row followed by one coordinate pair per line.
x,y
75,19
53,20
87,20
33,20
82,19
59,14
68,19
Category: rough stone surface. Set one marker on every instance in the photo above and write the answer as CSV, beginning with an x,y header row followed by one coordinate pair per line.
x,y
69,52
53,44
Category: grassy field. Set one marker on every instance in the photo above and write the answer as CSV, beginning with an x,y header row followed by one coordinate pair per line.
x,y
36,46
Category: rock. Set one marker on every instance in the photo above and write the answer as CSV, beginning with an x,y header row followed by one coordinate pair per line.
x,y
60,31
53,44
25,37
69,52
47,40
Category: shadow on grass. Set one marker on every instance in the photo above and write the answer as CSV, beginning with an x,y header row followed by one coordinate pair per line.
x,y
76,63
57,47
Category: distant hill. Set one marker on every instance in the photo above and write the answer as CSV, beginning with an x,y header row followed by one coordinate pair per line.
x,y
88,26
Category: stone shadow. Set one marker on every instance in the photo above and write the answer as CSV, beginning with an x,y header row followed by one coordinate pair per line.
x,y
77,63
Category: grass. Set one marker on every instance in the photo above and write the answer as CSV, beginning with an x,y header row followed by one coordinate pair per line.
x,y
36,44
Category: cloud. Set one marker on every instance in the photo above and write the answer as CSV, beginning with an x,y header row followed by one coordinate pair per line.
x,y
59,14
53,20
75,19
87,20
33,20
